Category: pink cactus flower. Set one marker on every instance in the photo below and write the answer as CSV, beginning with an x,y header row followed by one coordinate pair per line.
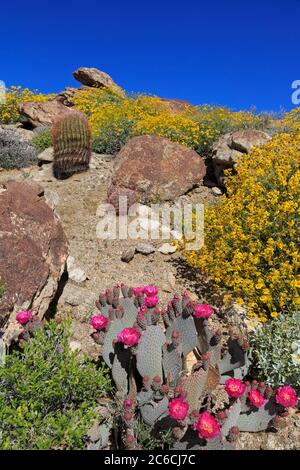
x,y
203,311
286,396
138,291
129,336
150,291
24,317
99,322
178,409
207,426
151,302
235,388
256,398
128,404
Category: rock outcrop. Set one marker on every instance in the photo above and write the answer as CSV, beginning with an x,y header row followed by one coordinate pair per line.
x,y
230,148
33,251
39,114
93,77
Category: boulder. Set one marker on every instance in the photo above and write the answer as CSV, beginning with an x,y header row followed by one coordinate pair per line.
x,y
156,169
33,252
231,147
65,96
41,114
244,141
93,77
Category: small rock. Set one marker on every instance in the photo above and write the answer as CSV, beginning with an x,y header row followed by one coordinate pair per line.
x,y
145,248
70,262
77,275
128,255
216,191
47,156
75,346
167,249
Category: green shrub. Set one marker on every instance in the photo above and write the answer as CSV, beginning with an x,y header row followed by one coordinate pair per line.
x,y
112,136
42,139
276,350
48,393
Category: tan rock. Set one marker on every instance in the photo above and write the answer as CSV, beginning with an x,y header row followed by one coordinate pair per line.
x,y
93,77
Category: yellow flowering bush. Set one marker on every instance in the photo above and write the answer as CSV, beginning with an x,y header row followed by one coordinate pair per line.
x,y
15,95
114,120
215,121
291,120
175,127
252,244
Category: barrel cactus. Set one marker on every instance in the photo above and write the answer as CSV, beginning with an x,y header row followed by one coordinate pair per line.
x,y
71,137
147,350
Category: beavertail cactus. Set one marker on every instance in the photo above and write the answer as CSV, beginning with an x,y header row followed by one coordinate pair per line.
x,y
71,143
148,362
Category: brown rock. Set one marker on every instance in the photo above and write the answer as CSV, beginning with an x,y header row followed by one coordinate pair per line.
x,y
156,169
66,95
33,250
95,78
41,114
244,141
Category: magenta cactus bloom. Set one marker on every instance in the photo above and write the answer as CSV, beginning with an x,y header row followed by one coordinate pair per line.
x,y
150,291
129,336
24,317
178,409
256,398
235,388
99,322
203,311
138,291
207,426
286,396
151,302
128,404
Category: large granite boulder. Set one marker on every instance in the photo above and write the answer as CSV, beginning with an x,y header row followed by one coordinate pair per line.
x,y
41,113
93,77
33,252
230,148
156,169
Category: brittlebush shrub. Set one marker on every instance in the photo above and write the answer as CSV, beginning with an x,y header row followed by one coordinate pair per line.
x,y
114,120
215,121
291,120
15,95
175,127
252,236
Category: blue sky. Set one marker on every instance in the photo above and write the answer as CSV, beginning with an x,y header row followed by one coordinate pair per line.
x,y
229,52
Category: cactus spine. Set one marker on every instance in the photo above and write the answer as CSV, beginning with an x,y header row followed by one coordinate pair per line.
x,y
72,144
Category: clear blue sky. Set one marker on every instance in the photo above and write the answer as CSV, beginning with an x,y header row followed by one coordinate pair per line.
x,y
232,52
